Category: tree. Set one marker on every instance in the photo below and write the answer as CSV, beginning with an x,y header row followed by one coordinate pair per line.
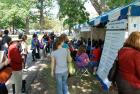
x,y
97,6
117,3
42,5
73,11
14,12
104,5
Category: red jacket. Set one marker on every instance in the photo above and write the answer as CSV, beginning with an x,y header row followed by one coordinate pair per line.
x,y
129,66
15,57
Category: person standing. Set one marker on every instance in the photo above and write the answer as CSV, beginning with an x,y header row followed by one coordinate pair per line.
x,y
128,77
59,68
24,49
5,41
16,61
35,47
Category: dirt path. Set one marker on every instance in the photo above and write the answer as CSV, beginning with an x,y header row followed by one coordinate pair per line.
x,y
45,84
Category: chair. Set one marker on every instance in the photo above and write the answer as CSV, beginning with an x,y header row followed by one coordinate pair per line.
x,y
81,69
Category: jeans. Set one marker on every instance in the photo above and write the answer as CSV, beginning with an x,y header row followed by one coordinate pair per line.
x,y
61,81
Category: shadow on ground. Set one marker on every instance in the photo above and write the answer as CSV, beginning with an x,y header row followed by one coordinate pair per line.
x,y
45,84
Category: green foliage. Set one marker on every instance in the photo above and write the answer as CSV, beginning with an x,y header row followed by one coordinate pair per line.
x,y
14,12
117,3
50,24
46,3
73,11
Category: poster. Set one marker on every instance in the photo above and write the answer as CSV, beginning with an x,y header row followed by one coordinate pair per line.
x,y
1,56
114,40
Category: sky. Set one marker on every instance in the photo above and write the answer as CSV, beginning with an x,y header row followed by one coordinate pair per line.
x,y
90,9
87,5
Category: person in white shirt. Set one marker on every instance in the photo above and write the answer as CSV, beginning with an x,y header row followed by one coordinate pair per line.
x,y
59,68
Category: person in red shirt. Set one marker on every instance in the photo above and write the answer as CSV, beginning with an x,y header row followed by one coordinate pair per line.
x,y
128,77
16,61
95,57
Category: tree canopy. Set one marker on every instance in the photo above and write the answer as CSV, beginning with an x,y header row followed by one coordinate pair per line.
x,y
118,3
73,11
13,12
105,5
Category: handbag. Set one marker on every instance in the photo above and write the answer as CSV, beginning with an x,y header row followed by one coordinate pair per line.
x,y
5,74
71,68
113,71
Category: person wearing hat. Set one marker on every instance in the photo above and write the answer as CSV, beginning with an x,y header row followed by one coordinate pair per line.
x,y
16,61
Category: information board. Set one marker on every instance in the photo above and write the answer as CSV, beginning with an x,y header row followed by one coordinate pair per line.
x,y
114,40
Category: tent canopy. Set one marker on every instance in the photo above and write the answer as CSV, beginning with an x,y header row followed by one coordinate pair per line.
x,y
117,14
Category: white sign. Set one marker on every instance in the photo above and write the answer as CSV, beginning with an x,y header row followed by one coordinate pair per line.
x,y
113,42
85,29
122,24
1,56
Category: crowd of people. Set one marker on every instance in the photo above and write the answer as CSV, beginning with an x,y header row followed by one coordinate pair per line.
x,y
62,50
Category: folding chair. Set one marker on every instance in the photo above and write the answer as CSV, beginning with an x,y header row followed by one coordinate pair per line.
x,y
81,68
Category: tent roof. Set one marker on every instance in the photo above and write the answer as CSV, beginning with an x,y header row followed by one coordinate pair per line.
x,y
117,14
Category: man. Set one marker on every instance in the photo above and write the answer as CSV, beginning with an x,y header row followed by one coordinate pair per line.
x,y
5,41
15,59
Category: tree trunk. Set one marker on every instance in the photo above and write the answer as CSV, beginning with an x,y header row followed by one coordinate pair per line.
x,y
27,25
69,30
13,27
97,6
41,16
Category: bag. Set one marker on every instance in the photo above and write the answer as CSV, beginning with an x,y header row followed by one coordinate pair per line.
x,y
71,68
113,71
5,74
41,46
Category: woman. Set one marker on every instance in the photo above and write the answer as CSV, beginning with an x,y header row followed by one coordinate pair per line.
x,y
59,58
35,47
82,58
24,48
128,78
65,39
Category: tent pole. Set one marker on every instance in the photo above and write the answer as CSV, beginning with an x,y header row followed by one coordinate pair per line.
x,y
91,35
